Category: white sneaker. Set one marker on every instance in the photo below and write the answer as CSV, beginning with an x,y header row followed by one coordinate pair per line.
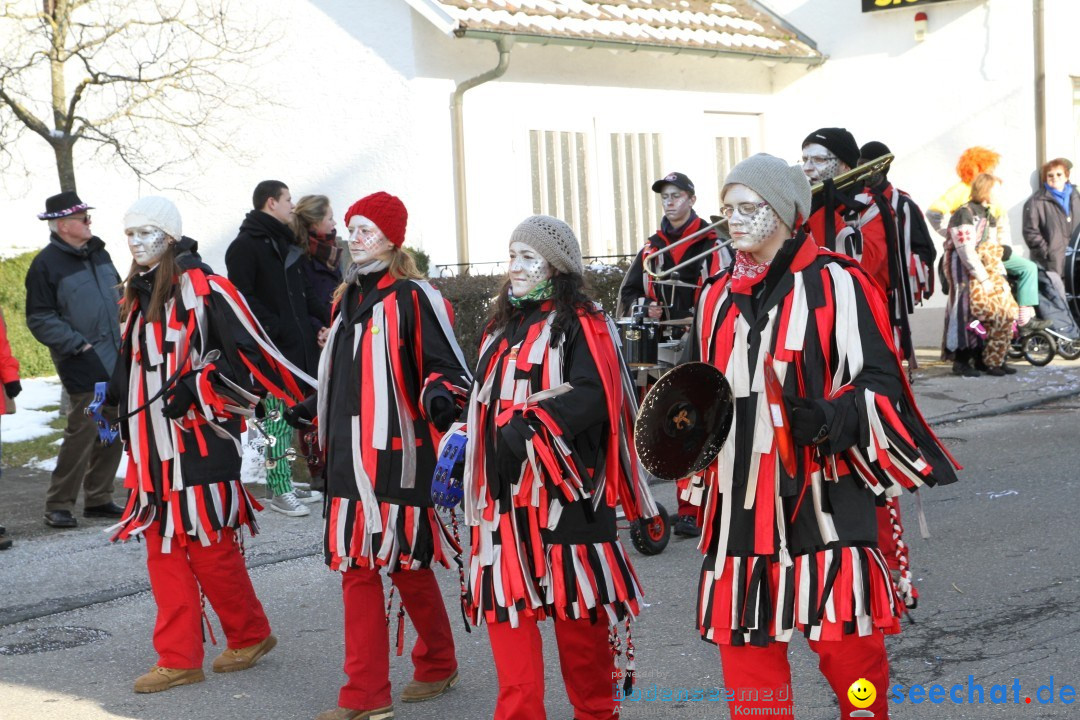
x,y
301,485
288,504
307,496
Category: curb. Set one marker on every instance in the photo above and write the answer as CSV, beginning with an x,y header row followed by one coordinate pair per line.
x,y
1004,408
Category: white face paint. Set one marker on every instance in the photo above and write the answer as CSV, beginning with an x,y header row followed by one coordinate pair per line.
x,y
819,163
528,268
147,244
754,231
366,241
677,204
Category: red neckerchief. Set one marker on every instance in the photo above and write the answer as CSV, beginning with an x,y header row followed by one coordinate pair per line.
x,y
747,272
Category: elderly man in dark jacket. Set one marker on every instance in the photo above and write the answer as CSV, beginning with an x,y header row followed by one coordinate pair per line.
x,y
72,308
264,263
1051,216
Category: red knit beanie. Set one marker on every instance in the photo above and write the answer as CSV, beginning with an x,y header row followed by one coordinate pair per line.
x,y
386,211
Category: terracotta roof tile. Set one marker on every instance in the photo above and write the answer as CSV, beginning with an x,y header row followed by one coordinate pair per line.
x,y
737,26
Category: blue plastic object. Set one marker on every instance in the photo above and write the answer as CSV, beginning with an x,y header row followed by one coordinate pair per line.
x,y
106,433
446,487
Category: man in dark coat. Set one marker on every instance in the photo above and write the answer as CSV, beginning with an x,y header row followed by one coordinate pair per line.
x,y
72,308
264,263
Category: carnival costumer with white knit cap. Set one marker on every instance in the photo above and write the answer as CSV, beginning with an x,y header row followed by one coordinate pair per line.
x,y
788,506
550,417
193,363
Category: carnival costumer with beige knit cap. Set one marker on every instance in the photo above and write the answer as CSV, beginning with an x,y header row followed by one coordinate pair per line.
x,y
550,417
789,528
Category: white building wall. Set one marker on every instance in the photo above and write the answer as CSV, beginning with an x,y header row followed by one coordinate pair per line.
x,y
362,91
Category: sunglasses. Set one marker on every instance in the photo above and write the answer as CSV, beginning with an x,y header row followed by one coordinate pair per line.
x,y
85,219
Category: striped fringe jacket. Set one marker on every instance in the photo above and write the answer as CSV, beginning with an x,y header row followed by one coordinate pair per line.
x,y
783,552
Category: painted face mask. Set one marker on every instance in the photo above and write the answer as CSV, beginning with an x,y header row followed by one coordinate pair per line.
x,y
677,204
366,240
750,221
528,268
819,163
147,244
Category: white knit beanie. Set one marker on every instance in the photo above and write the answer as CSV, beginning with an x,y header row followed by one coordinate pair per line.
x,y
155,211
783,186
554,240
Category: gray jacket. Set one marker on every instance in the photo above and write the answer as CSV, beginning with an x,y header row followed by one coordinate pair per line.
x,y
72,298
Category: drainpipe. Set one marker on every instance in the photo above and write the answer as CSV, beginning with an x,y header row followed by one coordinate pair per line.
x,y
457,130
1040,84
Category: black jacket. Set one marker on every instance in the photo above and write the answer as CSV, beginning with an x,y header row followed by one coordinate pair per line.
x,y
263,263
1047,228
72,299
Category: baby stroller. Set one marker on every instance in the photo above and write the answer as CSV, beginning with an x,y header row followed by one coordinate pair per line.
x,y
1062,337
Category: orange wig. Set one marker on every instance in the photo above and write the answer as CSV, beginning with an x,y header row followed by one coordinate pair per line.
x,y
976,160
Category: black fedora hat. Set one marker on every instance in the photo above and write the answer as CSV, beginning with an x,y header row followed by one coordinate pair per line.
x,y
62,205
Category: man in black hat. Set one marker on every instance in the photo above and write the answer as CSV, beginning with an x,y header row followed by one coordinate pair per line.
x,y
72,306
845,220
670,302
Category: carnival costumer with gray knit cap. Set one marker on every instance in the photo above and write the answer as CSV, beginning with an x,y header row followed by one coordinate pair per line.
x,y
550,420
789,530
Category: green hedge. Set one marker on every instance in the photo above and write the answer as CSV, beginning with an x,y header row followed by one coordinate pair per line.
x,y
472,296
32,355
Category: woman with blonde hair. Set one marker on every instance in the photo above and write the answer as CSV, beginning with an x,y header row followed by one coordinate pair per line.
x,y
315,229
978,288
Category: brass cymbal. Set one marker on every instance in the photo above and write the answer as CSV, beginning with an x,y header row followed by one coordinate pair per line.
x,y
684,421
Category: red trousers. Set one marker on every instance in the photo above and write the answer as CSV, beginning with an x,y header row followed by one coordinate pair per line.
x,y
684,508
588,669
367,639
750,671
175,579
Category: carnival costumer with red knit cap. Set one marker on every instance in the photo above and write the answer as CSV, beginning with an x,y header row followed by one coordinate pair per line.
x,y
193,363
786,552
391,380
549,459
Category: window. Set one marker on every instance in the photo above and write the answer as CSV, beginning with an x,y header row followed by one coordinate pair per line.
x,y
635,164
559,179
1076,117
730,151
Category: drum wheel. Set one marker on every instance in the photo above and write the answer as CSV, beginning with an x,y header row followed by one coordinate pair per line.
x,y
651,535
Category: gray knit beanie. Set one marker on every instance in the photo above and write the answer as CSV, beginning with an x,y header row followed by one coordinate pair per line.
x,y
783,186
554,240
155,211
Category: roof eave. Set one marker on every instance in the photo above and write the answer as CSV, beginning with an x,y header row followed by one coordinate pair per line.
x,y
463,32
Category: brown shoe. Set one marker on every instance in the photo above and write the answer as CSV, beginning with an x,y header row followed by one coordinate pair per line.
x,y
161,678
386,713
417,691
234,659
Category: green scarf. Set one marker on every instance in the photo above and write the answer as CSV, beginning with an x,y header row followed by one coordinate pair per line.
x,y
541,291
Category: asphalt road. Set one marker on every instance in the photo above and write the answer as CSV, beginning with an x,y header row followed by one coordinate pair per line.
x,y
999,583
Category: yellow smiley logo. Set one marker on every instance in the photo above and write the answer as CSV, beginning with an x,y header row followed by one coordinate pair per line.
x,y
862,693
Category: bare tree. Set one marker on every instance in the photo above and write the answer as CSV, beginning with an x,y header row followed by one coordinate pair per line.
x,y
141,81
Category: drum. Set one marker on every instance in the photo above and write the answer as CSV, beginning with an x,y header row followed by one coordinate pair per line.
x,y
640,342
1072,274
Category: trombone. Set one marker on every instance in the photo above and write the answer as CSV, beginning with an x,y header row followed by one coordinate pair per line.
x,y
649,265
859,173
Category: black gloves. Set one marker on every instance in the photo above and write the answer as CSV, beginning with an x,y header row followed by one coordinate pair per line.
x,y
13,389
1006,252
299,416
809,425
442,411
178,400
510,453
